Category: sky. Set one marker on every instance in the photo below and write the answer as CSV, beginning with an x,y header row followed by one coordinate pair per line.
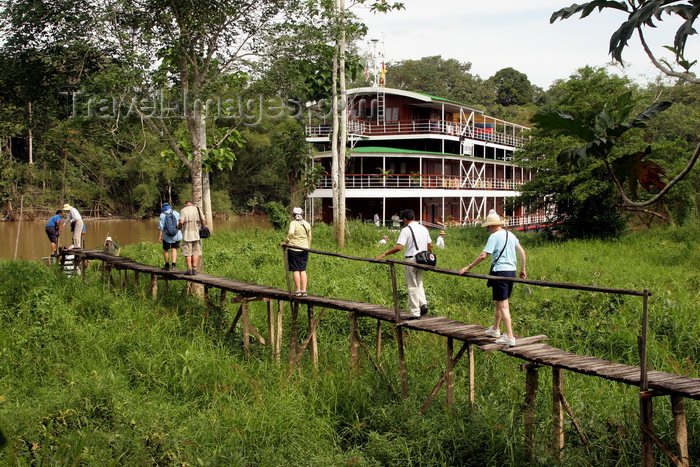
x,y
497,34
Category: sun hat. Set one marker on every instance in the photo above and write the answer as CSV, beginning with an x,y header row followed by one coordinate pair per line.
x,y
442,232
297,211
66,207
108,239
493,219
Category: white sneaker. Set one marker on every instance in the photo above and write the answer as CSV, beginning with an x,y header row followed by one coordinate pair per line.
x,y
491,332
504,339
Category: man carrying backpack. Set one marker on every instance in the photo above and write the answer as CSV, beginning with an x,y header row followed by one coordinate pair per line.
x,y
169,235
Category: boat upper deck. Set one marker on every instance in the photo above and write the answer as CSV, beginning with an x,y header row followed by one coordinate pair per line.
x,y
384,113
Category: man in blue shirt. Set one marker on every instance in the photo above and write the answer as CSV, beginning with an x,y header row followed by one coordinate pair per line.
x,y
502,246
53,230
170,242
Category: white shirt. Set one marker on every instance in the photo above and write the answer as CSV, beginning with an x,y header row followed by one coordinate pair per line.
x,y
440,241
406,239
73,215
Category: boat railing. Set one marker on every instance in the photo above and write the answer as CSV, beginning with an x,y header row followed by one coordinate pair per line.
x,y
426,181
421,127
524,222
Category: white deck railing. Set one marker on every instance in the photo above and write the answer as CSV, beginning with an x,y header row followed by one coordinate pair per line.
x,y
528,220
418,127
364,181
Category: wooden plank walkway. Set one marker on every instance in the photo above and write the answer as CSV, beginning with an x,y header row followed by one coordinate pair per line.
x,y
528,348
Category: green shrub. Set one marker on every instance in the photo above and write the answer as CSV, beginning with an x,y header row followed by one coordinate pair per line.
x,y
278,215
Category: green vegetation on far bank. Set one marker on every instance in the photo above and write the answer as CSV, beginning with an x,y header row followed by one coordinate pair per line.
x,y
99,376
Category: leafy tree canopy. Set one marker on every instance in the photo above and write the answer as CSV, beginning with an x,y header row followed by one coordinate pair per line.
x,y
446,78
512,87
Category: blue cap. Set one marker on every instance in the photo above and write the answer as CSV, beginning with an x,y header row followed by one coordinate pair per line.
x,y
166,207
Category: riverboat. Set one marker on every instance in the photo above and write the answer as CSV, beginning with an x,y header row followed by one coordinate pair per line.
x,y
451,163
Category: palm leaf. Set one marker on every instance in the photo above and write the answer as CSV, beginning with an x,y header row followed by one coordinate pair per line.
x,y
558,123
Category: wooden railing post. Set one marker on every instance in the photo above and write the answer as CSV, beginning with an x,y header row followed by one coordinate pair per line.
x,y
294,332
278,343
271,327
312,330
402,361
470,357
646,416
354,345
378,343
450,374
531,386
246,328
395,291
558,409
680,430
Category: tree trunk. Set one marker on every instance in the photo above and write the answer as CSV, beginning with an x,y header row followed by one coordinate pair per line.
x,y
342,145
197,125
206,201
30,137
334,152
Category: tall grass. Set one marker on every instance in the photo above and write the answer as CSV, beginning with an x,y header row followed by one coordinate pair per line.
x,y
92,375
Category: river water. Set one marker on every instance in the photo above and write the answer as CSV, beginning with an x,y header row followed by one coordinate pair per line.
x,y
33,243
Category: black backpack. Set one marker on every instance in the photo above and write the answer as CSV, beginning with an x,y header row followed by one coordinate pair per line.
x,y
170,224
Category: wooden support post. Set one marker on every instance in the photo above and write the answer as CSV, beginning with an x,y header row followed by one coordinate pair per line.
x,y
294,332
442,380
450,375
286,270
246,328
222,299
646,411
378,342
271,327
402,361
207,302
312,329
472,382
152,287
646,415
558,410
278,344
531,387
395,291
680,430
312,335
570,411
235,320
354,353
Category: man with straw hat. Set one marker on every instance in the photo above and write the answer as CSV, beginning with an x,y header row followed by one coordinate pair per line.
x,y
441,239
502,246
76,221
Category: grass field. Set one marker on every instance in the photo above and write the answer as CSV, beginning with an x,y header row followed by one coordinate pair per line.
x,y
96,376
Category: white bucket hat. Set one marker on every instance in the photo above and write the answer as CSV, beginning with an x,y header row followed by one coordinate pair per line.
x,y
297,211
493,219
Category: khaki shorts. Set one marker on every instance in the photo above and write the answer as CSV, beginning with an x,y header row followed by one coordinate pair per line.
x,y
192,248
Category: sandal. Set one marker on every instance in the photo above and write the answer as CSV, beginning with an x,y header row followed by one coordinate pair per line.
x,y
297,293
304,294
